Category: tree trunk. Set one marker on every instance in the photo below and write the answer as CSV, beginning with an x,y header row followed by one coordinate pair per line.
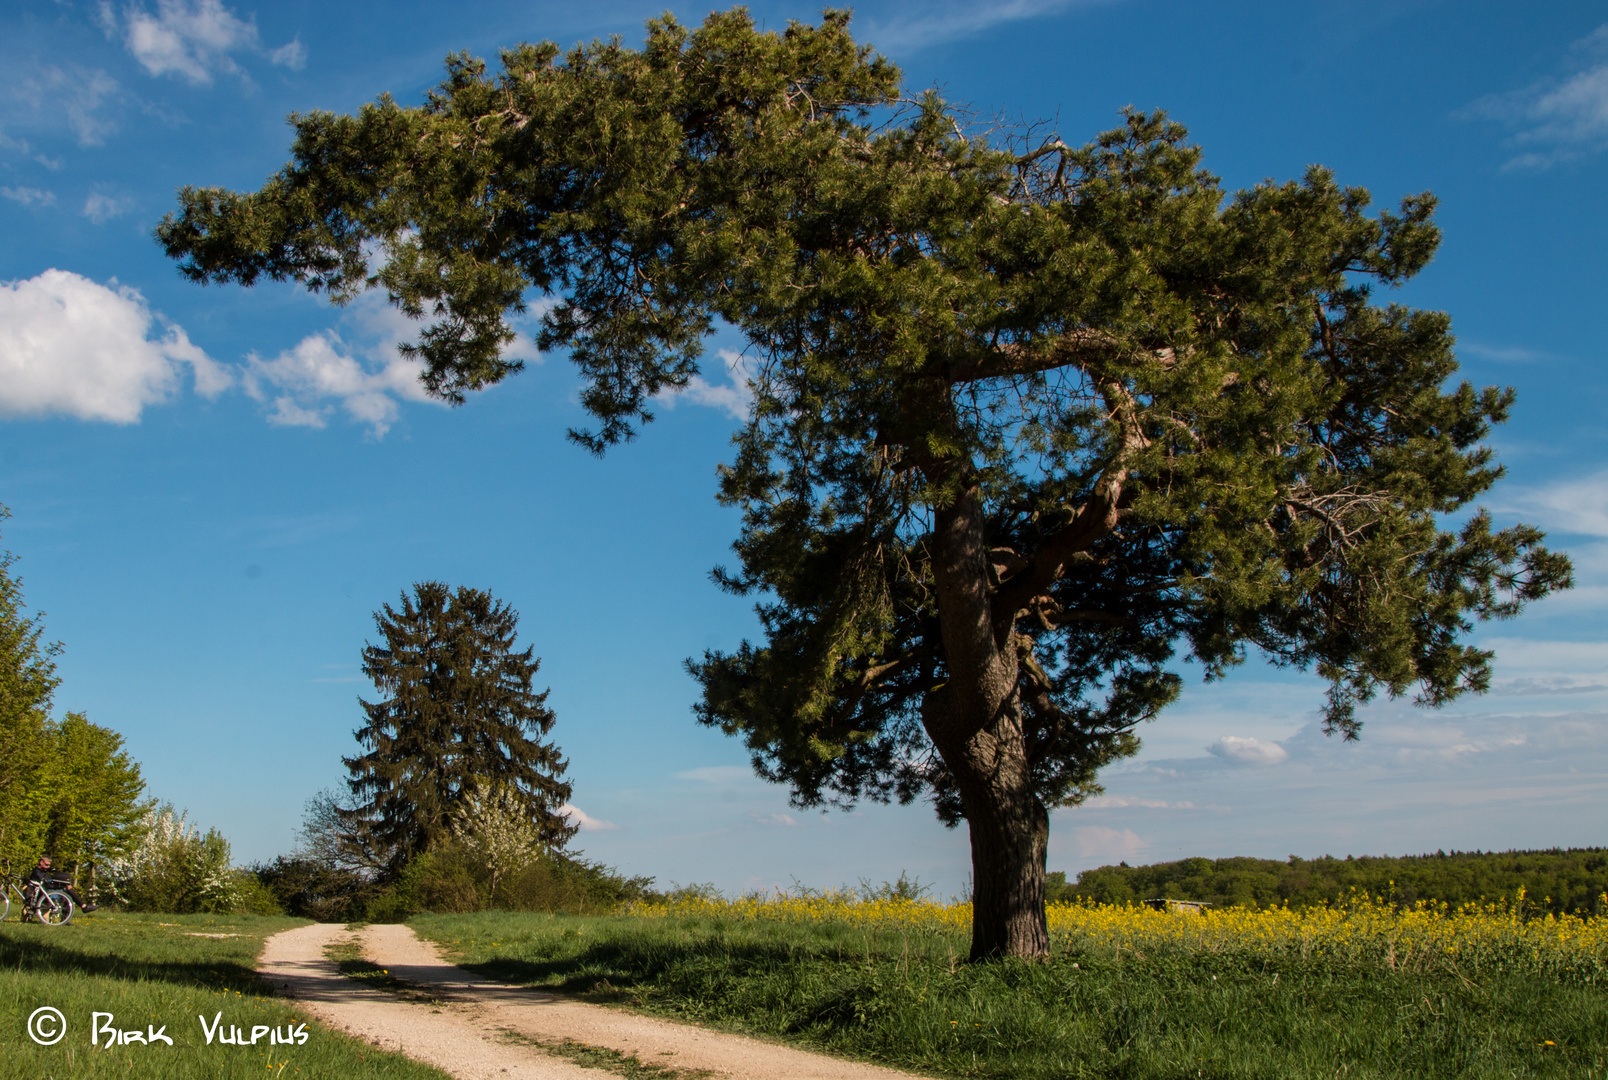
x,y
1009,840
975,723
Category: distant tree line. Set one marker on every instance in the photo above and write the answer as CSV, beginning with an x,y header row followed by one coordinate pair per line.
x,y
1556,880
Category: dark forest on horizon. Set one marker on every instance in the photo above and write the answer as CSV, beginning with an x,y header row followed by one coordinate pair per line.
x,y
1556,880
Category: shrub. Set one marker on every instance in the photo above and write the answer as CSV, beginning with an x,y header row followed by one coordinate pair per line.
x,y
312,889
255,898
174,868
456,877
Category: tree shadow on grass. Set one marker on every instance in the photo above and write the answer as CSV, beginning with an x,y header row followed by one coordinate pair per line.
x,y
624,965
47,957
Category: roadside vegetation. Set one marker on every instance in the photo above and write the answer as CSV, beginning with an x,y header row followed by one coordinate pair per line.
x,y
1361,990
164,971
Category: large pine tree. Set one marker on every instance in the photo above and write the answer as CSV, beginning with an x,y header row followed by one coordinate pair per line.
x,y
456,715
1032,421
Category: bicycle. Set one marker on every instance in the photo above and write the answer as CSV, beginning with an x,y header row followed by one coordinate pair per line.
x,y
52,907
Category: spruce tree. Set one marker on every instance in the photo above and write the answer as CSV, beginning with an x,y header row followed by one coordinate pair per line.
x,y
457,716
1032,420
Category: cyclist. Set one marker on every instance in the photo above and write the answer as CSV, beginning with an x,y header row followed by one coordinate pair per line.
x,y
35,884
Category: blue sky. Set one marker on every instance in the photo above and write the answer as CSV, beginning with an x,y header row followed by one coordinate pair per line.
x,y
213,489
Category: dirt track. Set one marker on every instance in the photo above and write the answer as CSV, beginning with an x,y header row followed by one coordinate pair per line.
x,y
476,1029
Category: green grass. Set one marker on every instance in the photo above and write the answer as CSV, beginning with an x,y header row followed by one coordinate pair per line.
x,y
904,1000
152,970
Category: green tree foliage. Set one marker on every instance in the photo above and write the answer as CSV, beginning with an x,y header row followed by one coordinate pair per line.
x,y
1030,419
67,788
98,811
458,717
1572,880
27,683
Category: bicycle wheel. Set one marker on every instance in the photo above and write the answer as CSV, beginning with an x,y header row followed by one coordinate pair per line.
x,y
55,909
5,906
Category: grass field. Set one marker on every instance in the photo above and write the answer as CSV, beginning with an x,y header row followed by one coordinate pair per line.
x,y
155,971
1367,992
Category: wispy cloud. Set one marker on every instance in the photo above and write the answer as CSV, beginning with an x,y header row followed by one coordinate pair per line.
x,y
1574,506
29,196
102,208
784,821
1562,117
51,96
193,39
939,24
1504,354
717,774
1129,802
1097,843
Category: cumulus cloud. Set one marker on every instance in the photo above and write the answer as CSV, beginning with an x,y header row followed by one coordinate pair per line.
x,y
300,380
29,196
1562,117
586,821
956,22
306,384
71,347
193,38
102,208
733,397
1243,750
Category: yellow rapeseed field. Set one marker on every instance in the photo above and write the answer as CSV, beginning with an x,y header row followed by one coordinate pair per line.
x,y
1466,940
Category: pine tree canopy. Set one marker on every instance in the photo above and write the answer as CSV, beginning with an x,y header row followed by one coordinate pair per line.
x,y
457,717
1031,420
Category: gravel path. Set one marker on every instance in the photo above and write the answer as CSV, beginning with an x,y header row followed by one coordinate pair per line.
x,y
470,1027
451,1038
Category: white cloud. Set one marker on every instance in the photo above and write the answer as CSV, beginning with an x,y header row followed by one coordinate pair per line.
x,y
71,347
193,38
367,377
320,367
1243,750
956,22
102,208
292,54
29,196
586,821
1576,506
1129,802
1564,116
734,397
